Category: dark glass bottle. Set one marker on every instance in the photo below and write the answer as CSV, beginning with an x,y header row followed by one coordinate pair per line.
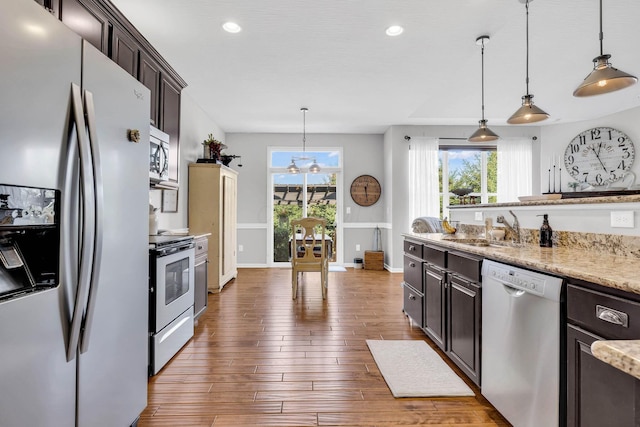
x,y
546,233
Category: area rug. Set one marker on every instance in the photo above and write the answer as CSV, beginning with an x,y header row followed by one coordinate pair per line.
x,y
337,269
413,369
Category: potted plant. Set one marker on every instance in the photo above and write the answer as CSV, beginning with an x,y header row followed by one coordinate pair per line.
x,y
214,147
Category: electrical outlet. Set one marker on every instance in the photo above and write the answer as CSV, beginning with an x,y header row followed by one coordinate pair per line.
x,y
357,248
348,210
478,216
622,219
240,248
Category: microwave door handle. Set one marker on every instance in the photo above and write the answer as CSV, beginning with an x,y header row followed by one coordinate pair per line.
x,y
98,202
86,223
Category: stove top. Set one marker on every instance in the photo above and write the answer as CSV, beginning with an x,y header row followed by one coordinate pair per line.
x,y
159,241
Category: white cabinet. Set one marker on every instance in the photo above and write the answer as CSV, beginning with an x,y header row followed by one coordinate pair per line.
x,y
213,209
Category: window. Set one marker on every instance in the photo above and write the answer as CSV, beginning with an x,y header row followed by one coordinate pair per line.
x,y
305,194
471,176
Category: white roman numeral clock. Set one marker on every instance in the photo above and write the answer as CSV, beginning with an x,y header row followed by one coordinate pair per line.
x,y
599,156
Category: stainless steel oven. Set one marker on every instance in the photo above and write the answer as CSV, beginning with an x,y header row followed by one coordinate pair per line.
x,y
171,296
158,155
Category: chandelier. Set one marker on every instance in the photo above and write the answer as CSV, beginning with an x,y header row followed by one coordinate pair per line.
x,y
314,167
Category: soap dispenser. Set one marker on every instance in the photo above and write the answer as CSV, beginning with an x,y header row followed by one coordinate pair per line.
x,y
546,233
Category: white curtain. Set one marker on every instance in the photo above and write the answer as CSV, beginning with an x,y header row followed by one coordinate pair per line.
x,y
514,169
424,197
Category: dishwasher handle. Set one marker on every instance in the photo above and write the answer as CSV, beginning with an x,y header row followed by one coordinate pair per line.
x,y
514,292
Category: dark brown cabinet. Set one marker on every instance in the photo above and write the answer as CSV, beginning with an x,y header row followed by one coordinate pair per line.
x,y
125,51
87,19
104,26
170,121
448,284
150,77
597,393
435,294
464,316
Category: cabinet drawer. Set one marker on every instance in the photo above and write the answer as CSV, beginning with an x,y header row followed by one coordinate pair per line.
x,y
465,265
610,316
413,272
435,256
413,304
413,248
202,246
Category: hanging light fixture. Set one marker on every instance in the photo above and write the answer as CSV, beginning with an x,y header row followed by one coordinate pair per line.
x,y
483,133
604,78
314,167
528,113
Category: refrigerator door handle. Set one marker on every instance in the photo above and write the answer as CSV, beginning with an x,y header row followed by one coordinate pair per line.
x,y
98,202
86,223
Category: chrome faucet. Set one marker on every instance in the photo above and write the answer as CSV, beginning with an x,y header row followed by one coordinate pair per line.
x,y
515,229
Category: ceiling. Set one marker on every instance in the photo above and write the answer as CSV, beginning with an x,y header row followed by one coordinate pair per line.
x,y
334,57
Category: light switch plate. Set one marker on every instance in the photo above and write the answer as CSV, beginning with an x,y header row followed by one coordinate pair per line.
x,y
478,216
622,219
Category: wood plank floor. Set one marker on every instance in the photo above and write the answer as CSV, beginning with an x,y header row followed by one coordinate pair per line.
x,y
258,358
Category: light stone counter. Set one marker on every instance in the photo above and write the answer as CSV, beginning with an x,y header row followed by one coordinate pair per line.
x,y
622,354
569,201
612,271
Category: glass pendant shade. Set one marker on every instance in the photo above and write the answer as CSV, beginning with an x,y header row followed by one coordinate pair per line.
x,y
528,113
604,79
293,168
483,133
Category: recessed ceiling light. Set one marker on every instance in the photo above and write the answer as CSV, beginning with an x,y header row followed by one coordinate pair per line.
x,y
231,27
394,30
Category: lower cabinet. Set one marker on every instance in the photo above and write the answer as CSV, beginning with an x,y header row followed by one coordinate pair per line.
x,y
201,291
464,315
442,294
599,394
435,304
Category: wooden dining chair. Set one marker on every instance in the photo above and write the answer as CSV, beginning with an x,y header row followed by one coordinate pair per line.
x,y
309,252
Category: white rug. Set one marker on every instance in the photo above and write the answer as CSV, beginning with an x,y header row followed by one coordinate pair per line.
x,y
337,269
413,369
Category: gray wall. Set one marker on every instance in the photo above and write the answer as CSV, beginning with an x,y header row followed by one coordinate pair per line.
x,y
362,154
195,125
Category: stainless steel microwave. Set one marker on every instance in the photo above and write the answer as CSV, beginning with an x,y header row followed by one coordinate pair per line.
x,y
158,155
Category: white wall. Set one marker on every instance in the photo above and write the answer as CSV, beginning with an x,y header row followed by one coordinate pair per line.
x,y
398,149
555,139
362,154
195,125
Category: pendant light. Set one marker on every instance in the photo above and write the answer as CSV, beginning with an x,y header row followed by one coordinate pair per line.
x,y
314,167
528,113
604,78
483,133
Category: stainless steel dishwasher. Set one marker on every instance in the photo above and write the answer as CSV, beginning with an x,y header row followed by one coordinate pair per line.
x,y
521,344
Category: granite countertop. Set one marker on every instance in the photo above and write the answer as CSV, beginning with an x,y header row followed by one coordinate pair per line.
x,y
622,354
607,270
567,201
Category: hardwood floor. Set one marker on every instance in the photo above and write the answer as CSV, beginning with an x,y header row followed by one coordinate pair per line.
x,y
259,358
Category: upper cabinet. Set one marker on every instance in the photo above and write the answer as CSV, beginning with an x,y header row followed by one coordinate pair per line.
x,y
105,27
88,20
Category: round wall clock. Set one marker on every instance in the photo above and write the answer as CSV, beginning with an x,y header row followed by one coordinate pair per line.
x,y
365,190
599,156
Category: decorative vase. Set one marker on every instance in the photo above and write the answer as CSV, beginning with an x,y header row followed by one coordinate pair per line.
x,y
206,152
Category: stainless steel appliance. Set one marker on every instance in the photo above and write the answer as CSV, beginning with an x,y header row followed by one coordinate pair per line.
x,y
75,353
201,297
521,344
158,155
171,296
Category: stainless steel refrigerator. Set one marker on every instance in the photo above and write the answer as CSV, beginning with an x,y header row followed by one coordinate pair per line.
x,y
75,354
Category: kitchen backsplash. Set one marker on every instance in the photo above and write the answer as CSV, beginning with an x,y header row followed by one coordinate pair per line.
x,y
611,244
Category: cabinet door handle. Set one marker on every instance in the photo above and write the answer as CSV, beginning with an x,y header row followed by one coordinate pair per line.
x,y
412,297
412,264
610,315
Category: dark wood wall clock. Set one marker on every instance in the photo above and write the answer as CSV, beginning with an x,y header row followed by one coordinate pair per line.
x,y
365,190
599,156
